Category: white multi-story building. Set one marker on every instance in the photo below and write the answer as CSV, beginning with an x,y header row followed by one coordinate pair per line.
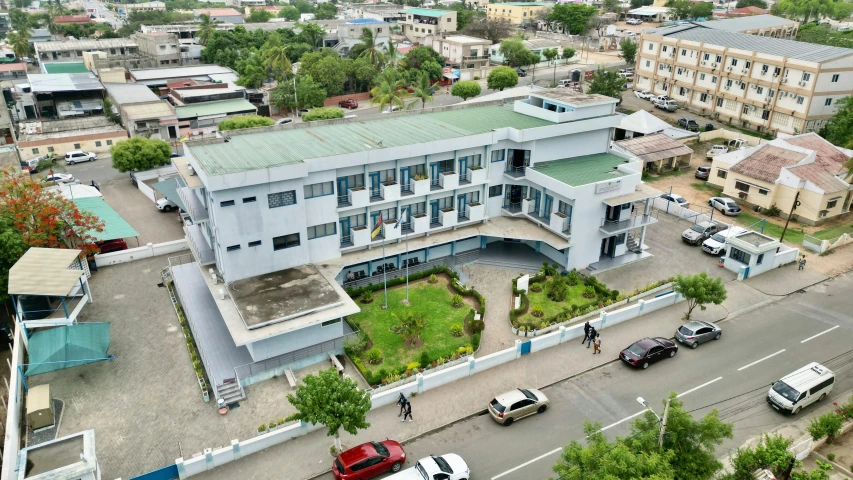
x,y
293,207
754,81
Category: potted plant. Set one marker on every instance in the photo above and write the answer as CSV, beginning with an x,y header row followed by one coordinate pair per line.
x,y
262,429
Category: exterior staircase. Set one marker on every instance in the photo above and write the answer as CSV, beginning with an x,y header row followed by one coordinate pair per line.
x,y
632,244
230,392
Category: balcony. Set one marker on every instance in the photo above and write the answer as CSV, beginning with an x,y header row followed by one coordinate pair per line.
x,y
198,245
360,236
464,178
346,241
515,171
421,223
421,187
561,223
477,175
512,208
449,180
407,189
195,207
474,58
391,230
355,197
376,195
390,191
476,211
448,217
611,227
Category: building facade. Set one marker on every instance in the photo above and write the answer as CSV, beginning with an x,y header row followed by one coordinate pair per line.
x,y
422,22
224,15
349,33
462,51
72,50
164,48
517,13
753,81
91,134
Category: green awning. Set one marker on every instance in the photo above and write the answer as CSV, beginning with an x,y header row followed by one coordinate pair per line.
x,y
114,226
169,189
69,346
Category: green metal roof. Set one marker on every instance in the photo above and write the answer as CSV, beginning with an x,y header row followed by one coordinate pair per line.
x,y
292,146
169,189
114,226
525,4
426,12
583,170
220,107
65,67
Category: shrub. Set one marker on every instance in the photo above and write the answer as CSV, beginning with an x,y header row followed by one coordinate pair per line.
x,y
830,457
356,344
424,358
536,287
773,211
367,296
475,341
413,366
456,330
827,425
466,350
245,121
589,292
558,288
262,427
456,301
433,278
477,326
280,421
537,311
374,355
272,424
322,113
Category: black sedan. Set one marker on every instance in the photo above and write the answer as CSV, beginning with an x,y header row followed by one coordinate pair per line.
x,y
644,352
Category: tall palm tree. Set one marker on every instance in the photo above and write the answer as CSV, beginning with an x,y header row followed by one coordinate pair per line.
x,y
424,91
275,59
206,27
371,49
20,43
390,91
390,51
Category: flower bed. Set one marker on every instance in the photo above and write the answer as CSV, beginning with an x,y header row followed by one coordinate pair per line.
x,y
194,356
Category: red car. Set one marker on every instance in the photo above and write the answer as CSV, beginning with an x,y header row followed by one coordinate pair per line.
x,y
369,460
112,246
348,103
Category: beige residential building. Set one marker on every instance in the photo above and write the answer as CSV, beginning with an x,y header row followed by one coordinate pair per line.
x,y
804,167
517,13
462,51
421,22
763,83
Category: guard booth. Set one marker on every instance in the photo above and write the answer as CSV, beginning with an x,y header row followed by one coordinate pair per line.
x,y
40,412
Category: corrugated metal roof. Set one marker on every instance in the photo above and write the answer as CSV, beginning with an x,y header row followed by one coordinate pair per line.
x,y
114,226
651,148
220,107
157,109
128,93
65,67
583,170
44,271
809,52
818,175
749,23
296,144
178,72
67,45
64,82
426,12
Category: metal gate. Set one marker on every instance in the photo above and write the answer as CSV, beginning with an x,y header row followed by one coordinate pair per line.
x,y
168,472
525,348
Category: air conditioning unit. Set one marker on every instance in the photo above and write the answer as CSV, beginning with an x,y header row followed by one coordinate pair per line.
x,y
754,86
802,84
763,72
783,94
744,71
713,65
775,75
728,69
766,99
784,79
726,87
704,63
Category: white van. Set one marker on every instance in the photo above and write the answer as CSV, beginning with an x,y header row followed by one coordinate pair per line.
x,y
798,390
717,243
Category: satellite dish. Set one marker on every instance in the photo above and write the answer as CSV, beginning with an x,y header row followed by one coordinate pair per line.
x,y
611,30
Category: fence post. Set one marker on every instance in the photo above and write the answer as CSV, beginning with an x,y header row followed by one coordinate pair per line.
x,y
208,459
235,449
563,330
472,365
420,378
642,304
150,247
603,319
517,349
182,470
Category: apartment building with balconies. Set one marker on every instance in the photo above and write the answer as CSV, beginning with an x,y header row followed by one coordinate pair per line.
x,y
516,13
762,83
338,202
422,22
463,52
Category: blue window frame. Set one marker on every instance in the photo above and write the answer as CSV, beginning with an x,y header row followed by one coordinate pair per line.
x,y
496,191
319,189
498,155
282,199
285,241
319,231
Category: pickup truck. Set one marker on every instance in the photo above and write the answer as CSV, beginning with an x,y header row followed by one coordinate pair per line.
x,y
444,467
716,150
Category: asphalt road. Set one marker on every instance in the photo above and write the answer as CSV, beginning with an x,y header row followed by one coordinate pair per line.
x,y
101,11
732,375
99,171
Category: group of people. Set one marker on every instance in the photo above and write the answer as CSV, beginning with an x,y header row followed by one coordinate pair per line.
x,y
591,336
405,407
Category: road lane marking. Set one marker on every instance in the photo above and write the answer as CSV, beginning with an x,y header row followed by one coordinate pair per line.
x,y
697,388
624,420
819,334
540,457
761,360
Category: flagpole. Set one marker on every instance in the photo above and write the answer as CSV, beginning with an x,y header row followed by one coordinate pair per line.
x,y
384,272
407,267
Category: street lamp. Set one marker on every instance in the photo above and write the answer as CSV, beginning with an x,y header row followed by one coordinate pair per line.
x,y
662,421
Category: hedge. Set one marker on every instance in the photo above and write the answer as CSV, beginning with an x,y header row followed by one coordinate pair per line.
x,y
601,291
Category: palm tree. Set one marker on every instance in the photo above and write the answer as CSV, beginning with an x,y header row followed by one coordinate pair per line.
x,y
371,49
390,92
424,90
20,43
275,59
206,27
390,51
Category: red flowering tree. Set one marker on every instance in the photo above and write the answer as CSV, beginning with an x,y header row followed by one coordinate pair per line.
x,y
44,217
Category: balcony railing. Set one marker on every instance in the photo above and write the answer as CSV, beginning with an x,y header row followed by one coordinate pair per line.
x,y
636,220
515,171
461,216
346,241
435,183
407,228
344,200
434,222
407,189
512,207
471,58
464,178
376,194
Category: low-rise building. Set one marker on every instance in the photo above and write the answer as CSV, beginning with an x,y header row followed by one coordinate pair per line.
x,y
762,25
160,77
71,456
204,117
9,157
273,9
349,33
71,19
142,112
421,22
805,168
516,13
751,253
754,81
201,93
72,50
382,12
164,48
5,24
466,53
64,95
658,152
130,8
53,68
11,71
741,12
242,4
225,15
92,134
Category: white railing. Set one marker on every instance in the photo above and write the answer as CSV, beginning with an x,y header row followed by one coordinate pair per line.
x,y
148,251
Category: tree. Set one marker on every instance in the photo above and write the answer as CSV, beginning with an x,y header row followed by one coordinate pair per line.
x,y
490,29
139,154
244,121
628,50
751,3
702,10
42,217
818,473
572,18
418,56
606,82
259,16
303,6
641,3
411,327
842,10
277,62
390,52
680,8
289,13
12,247
20,43
206,27
502,77
424,90
252,71
108,111
325,11
464,14
372,51
550,54
331,401
431,67
770,453
331,73
309,94
516,54
390,92
698,290
22,3
311,33
838,128
465,89
610,5
322,113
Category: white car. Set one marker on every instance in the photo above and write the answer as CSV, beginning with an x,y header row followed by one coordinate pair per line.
x,y
676,199
644,95
166,205
391,108
725,205
284,121
716,150
59,177
436,467
634,21
78,156
717,243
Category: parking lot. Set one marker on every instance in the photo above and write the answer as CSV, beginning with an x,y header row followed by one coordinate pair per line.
x,y
631,102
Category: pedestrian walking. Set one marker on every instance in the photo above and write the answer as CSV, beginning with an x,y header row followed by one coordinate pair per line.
x,y
586,328
597,344
408,412
402,402
592,334
802,263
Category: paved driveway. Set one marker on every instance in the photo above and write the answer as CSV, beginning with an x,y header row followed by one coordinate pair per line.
x,y
631,102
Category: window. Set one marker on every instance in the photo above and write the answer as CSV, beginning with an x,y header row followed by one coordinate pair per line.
x,y
683,52
285,241
764,68
743,187
97,143
703,97
832,203
651,46
807,76
714,79
719,58
820,386
496,191
771,93
827,102
743,85
777,71
256,243
35,150
282,199
739,255
663,49
722,173
729,82
835,78
707,56
648,63
227,203
682,91
249,199
50,149
719,102
679,70
319,189
321,231
109,142
759,259
734,62
77,146
822,214
701,76
800,100
329,323
745,109
759,90
620,239
762,191
233,248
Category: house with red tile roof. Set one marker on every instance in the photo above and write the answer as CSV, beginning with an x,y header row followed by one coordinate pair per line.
x,y
69,19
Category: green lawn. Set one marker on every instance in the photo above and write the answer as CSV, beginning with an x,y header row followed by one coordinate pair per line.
x,y
716,191
793,235
834,232
430,300
551,308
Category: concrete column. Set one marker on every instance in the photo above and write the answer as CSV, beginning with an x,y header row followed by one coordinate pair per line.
x,y
517,349
482,241
642,304
538,246
150,247
563,331
420,378
603,319
235,449
472,365
87,289
182,470
453,248
642,237
426,254
208,459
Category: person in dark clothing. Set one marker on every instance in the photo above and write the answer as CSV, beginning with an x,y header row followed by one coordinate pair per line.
x,y
408,412
402,401
591,335
586,328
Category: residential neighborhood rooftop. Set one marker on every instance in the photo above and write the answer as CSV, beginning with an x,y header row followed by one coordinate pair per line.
x,y
748,23
129,93
178,72
465,40
290,145
219,12
64,82
571,97
218,107
583,170
767,161
65,67
67,45
651,148
426,12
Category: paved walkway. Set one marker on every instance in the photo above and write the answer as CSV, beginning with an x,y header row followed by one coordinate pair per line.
x,y
306,456
495,284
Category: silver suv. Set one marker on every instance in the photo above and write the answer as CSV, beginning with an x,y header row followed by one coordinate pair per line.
x,y
699,232
517,404
78,156
694,332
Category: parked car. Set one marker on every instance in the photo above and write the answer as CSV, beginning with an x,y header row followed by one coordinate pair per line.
x,y
521,72
109,246
662,98
668,105
369,460
351,115
717,243
634,21
517,404
799,389
716,150
78,156
564,83
644,352
391,108
436,467
644,95
59,177
165,205
283,121
698,233
695,332
725,205
348,103
302,111
627,74
33,163
676,198
703,172
688,124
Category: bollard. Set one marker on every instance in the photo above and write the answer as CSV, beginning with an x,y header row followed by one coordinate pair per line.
x,y
472,365
563,331
235,449
420,378
517,349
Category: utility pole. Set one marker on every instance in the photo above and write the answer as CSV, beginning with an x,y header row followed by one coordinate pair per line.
x,y
663,423
793,207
